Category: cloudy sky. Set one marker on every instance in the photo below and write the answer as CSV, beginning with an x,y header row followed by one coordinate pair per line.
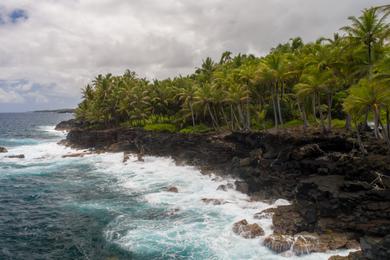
x,y
49,49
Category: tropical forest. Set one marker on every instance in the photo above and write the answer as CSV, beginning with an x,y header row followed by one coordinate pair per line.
x,y
341,82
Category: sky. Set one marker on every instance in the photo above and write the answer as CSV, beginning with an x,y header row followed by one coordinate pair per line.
x,y
50,49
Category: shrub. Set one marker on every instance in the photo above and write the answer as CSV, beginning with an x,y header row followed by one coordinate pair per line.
x,y
161,127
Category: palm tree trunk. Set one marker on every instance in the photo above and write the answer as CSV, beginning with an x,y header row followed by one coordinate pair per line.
x,y
348,122
314,107
321,116
278,103
330,112
235,117
376,122
224,116
359,139
241,115
248,115
215,125
303,114
388,122
192,114
387,139
274,107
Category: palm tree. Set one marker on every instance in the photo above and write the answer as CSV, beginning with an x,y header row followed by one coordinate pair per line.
x,y
368,29
204,97
187,95
274,70
368,95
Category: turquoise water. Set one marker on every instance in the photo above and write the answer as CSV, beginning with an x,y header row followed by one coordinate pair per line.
x,y
97,207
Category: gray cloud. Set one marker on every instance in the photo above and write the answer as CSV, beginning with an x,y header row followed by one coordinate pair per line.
x,y
55,47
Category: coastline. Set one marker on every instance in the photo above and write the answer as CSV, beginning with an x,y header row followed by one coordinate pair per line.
x,y
329,185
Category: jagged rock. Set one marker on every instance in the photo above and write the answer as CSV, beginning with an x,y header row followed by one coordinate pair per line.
x,y
225,187
3,150
334,240
242,186
287,220
306,244
267,213
173,189
17,156
376,248
278,243
307,151
246,230
352,244
213,201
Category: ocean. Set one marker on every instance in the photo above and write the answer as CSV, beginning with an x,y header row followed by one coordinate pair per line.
x,y
97,207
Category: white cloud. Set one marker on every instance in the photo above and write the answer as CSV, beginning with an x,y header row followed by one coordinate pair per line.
x,y
10,97
63,44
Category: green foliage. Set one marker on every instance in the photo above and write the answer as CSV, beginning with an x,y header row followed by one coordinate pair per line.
x,y
161,127
295,84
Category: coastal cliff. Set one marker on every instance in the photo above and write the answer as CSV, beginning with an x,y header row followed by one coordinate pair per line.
x,y
332,188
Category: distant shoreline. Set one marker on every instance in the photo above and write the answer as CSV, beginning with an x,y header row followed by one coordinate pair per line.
x,y
60,111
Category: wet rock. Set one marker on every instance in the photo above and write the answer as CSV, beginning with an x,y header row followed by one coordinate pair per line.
x,y
267,213
72,155
278,243
287,220
242,186
352,244
17,156
358,255
225,187
334,241
306,244
307,151
126,157
213,201
173,189
246,230
3,150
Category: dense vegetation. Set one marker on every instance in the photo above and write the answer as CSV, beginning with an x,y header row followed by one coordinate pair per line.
x,y
314,84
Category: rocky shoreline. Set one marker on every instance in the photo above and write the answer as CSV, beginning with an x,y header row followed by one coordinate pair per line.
x,y
339,199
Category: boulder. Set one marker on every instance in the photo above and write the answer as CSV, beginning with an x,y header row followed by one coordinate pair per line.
x,y
3,150
278,243
305,244
352,244
246,230
17,156
173,189
267,213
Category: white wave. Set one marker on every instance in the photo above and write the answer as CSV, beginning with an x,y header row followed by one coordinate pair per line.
x,y
193,224
50,129
185,225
